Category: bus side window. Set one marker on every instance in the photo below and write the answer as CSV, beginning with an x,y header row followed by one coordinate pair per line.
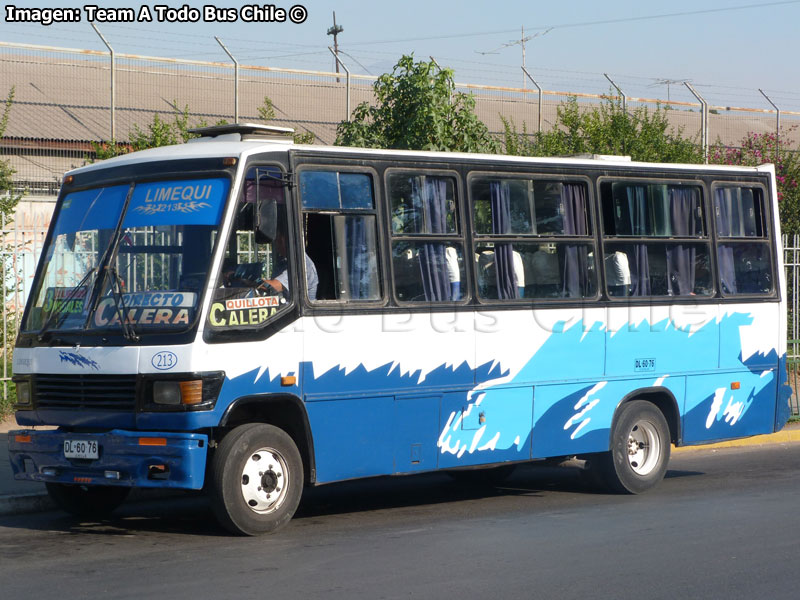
x,y
743,252
427,254
656,243
340,229
521,251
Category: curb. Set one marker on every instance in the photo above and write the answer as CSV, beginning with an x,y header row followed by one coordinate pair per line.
x,y
25,503
789,434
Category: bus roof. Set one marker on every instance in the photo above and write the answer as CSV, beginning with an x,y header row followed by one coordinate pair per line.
x,y
228,145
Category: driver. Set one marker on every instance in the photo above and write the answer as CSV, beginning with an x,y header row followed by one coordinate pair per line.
x,y
280,274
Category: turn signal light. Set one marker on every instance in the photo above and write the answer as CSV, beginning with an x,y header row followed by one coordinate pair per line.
x,y
735,385
152,441
192,391
22,439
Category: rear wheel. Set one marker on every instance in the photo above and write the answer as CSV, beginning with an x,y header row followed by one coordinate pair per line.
x,y
256,479
87,500
640,448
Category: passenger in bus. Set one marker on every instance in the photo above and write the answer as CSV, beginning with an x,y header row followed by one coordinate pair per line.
x,y
545,275
618,274
487,274
453,272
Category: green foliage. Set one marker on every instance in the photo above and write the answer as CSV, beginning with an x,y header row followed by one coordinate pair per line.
x,y
266,113
417,108
158,132
267,109
759,148
642,134
8,204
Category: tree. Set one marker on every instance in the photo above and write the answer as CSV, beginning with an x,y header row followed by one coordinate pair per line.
x,y
642,134
267,113
157,133
417,108
759,148
8,204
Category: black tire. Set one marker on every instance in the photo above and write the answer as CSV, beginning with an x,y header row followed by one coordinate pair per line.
x,y
87,500
483,477
248,498
640,448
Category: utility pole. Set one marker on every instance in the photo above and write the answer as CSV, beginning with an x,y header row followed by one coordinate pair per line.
x,y
335,31
521,41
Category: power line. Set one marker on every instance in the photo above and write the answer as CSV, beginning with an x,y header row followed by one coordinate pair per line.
x,y
585,23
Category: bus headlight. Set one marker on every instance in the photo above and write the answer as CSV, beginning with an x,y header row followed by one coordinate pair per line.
x,y
24,396
174,393
181,391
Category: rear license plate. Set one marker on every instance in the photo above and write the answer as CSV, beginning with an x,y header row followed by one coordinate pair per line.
x,y
81,449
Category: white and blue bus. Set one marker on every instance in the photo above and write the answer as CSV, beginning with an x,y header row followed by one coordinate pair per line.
x,y
247,316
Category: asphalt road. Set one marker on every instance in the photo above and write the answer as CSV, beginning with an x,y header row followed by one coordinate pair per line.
x,y
724,524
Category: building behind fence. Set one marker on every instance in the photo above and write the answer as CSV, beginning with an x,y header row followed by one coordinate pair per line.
x,y
65,99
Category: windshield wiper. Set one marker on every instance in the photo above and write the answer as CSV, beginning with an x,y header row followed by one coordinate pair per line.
x,y
128,330
62,312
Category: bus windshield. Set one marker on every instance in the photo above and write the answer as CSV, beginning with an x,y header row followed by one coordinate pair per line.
x,y
130,258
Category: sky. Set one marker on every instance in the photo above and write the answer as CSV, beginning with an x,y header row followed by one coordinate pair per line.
x,y
727,49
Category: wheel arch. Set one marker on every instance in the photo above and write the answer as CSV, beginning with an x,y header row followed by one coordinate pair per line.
x,y
285,411
664,400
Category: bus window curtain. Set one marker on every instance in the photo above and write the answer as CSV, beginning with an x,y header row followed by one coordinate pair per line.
x,y
360,244
431,194
637,257
574,258
500,196
681,257
727,271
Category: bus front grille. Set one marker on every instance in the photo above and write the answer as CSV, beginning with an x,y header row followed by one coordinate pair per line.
x,y
106,392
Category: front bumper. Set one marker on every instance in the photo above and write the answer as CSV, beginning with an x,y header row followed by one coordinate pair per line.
x,y
178,461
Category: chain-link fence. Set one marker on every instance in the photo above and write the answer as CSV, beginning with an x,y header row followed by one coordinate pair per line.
x,y
67,98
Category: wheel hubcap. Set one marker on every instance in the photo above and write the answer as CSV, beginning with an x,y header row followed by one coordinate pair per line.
x,y
265,480
644,448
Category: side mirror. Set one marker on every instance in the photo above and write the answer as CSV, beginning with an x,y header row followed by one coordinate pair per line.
x,y
267,219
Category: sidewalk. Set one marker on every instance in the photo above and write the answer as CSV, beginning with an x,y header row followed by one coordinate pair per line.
x,y
18,497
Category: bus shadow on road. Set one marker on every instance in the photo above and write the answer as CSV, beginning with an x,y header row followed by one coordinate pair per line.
x,y
191,514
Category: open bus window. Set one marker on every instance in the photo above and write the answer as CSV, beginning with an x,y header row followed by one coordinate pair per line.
x,y
340,233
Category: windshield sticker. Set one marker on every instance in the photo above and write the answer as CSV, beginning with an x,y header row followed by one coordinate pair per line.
x,y
187,202
78,360
64,299
147,308
243,312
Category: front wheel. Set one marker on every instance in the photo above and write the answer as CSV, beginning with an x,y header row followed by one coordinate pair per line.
x,y
640,448
256,479
87,500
